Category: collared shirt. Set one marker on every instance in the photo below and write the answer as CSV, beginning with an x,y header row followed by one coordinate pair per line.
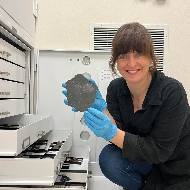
x,y
159,133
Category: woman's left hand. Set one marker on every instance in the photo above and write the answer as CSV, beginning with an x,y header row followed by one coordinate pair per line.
x,y
100,124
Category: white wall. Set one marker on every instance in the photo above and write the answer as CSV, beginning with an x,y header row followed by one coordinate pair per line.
x,y
66,25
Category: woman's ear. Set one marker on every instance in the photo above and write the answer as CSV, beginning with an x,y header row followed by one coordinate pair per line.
x,y
151,66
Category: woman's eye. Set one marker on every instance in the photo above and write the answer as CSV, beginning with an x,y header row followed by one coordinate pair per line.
x,y
128,55
122,56
138,55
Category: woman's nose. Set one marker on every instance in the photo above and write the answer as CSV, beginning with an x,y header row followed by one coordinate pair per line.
x,y
131,60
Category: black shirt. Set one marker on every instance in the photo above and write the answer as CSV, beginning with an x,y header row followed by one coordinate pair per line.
x,y
159,133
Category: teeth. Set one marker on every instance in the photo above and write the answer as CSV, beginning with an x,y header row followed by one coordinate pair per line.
x,y
132,72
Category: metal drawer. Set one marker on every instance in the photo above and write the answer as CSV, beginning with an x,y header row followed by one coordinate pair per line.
x,y
33,167
11,71
76,174
19,132
11,53
11,107
9,89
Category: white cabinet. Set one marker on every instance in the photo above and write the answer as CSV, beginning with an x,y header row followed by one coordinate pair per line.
x,y
22,12
30,156
13,80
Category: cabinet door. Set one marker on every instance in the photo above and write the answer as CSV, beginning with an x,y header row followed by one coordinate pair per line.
x,y
11,71
11,89
22,12
10,107
11,53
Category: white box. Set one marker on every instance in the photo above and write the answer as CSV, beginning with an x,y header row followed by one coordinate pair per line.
x,y
13,140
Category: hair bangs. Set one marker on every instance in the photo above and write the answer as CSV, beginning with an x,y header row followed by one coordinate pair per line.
x,y
132,43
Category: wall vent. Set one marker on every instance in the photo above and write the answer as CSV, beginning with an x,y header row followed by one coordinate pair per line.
x,y
102,35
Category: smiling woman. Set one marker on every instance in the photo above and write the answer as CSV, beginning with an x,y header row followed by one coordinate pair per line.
x,y
152,114
146,117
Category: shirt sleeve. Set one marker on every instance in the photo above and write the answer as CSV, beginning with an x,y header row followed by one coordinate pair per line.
x,y
159,145
113,104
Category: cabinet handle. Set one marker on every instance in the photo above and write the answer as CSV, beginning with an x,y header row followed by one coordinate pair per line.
x,y
5,73
7,54
58,168
5,93
26,143
5,113
41,133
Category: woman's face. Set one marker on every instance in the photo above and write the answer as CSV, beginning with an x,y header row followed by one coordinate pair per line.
x,y
133,67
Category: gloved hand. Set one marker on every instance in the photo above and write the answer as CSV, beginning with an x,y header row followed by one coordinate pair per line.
x,y
100,124
99,103
65,93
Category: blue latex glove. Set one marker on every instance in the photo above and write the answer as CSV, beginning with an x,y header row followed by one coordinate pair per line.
x,y
99,103
100,124
65,93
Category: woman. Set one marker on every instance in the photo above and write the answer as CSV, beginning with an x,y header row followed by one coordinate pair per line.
x,y
146,119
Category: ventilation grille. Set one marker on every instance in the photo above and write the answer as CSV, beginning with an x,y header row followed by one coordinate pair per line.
x,y
102,40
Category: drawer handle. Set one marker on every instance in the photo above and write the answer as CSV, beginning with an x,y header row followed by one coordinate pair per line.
x,y
7,54
5,113
41,133
58,168
5,93
5,73
26,143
